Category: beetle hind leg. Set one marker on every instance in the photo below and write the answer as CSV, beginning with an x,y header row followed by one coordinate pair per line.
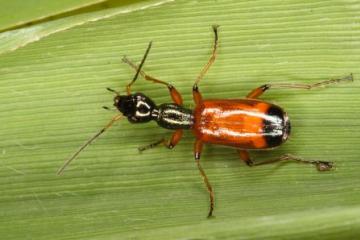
x,y
197,152
320,165
257,92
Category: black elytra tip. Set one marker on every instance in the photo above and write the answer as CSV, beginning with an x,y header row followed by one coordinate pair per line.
x,y
274,140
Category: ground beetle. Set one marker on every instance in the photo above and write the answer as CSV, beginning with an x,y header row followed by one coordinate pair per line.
x,y
245,124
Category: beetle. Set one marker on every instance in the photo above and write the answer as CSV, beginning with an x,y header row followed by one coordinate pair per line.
x,y
245,124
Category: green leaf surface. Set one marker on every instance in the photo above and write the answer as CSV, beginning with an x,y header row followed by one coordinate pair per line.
x,y
52,91
17,38
35,10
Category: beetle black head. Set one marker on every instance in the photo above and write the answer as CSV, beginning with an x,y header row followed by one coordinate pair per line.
x,y
137,107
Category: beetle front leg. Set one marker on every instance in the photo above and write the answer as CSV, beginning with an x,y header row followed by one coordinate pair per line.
x,y
257,92
197,152
320,165
175,95
170,144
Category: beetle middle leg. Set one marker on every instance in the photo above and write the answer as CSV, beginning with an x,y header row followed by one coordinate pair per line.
x,y
175,95
196,93
212,57
320,165
170,144
257,92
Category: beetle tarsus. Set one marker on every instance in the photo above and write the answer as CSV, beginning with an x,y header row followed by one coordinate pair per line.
x,y
323,166
151,145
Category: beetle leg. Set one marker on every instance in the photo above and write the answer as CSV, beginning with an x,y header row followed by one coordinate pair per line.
x,y
197,152
170,144
212,57
320,165
257,92
175,95
244,155
196,93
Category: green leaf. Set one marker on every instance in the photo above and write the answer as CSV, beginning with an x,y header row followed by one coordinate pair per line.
x,y
53,77
14,39
30,11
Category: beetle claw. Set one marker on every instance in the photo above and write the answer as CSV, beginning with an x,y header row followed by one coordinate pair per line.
x,y
323,166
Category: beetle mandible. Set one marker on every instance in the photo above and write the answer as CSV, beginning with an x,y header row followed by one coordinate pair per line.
x,y
245,124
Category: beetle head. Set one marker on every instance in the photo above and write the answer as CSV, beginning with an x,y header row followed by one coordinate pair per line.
x,y
137,107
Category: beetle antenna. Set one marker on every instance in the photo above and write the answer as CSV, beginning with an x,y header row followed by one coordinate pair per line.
x,y
128,87
87,143
113,91
108,108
